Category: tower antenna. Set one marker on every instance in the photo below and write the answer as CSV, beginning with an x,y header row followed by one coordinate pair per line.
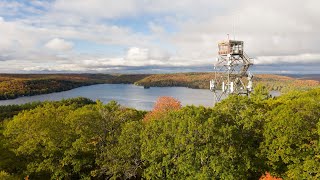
x,y
233,27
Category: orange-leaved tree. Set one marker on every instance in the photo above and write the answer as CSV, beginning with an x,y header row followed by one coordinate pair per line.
x,y
163,105
267,176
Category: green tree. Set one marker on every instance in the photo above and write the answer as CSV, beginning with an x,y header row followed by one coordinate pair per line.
x,y
291,135
9,162
114,117
101,147
70,141
174,145
123,160
236,130
6,176
260,93
41,136
204,143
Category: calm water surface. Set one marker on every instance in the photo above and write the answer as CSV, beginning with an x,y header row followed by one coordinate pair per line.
x,y
126,94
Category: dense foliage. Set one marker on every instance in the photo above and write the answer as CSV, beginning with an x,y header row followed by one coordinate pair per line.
x,y
239,138
8,111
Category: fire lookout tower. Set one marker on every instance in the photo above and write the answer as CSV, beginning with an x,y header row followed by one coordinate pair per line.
x,y
231,70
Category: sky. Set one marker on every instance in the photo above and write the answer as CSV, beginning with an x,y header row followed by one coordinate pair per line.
x,y
156,36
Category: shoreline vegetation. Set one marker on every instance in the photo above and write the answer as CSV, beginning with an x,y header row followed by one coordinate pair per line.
x,y
17,85
242,137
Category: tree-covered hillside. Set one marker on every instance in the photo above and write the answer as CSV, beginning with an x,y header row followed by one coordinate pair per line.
x,y
17,85
201,81
239,138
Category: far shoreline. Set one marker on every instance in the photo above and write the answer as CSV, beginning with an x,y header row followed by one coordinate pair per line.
x,y
13,86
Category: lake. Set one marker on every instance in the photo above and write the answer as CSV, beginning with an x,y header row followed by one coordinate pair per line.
x,y
127,95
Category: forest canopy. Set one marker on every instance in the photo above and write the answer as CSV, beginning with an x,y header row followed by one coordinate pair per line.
x,y
239,138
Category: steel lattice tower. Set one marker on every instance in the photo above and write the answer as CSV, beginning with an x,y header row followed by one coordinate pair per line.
x,y
231,71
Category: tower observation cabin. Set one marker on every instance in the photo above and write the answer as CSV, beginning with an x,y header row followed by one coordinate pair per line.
x,y
232,47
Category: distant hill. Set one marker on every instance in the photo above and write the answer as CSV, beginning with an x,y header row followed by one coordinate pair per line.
x,y
305,76
17,85
201,81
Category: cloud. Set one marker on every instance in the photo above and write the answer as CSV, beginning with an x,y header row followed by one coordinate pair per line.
x,y
267,30
59,44
110,9
15,9
96,8
157,33
138,54
299,59
156,29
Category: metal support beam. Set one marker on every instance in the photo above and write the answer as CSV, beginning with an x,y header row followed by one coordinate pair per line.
x,y
231,71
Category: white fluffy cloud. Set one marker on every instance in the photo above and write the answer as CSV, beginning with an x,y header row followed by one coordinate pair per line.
x,y
179,33
59,44
300,59
145,54
138,54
